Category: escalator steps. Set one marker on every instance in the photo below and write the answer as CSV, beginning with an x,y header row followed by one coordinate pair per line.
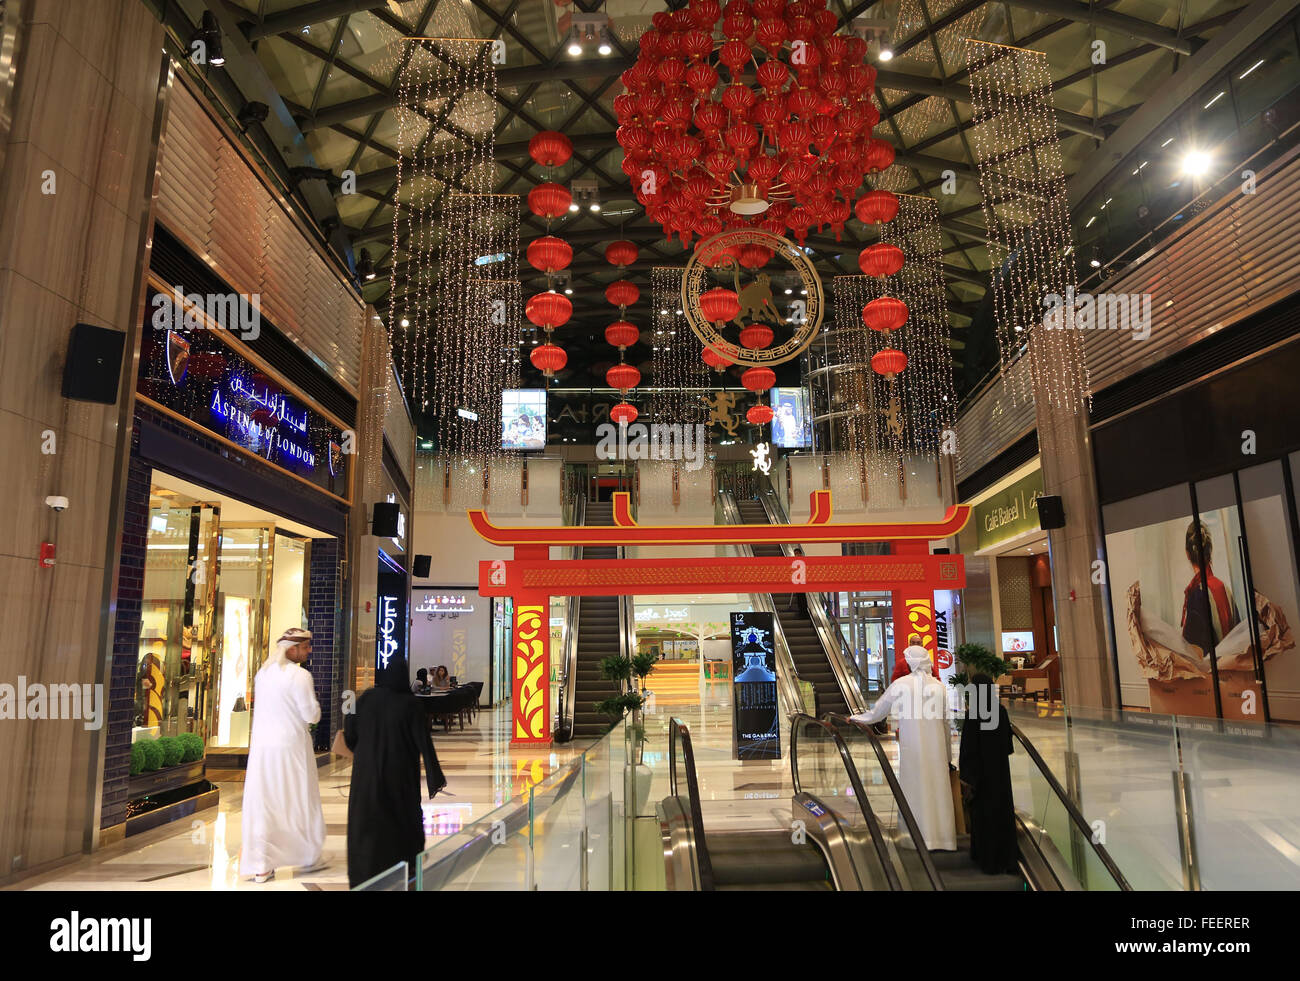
x,y
748,860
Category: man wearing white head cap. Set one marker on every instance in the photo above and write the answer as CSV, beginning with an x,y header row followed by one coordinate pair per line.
x,y
283,823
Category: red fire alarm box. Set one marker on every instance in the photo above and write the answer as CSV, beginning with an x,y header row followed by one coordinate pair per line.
x,y
47,555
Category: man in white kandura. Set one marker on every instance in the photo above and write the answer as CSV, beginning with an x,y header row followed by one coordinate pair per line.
x,y
924,745
283,823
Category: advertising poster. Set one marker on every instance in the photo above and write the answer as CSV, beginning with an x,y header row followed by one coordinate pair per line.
x,y
523,419
754,697
790,418
1181,603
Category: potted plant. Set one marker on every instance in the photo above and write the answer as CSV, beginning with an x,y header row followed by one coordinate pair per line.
x,y
977,659
630,673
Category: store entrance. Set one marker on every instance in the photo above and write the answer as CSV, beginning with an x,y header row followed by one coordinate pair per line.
x,y
222,580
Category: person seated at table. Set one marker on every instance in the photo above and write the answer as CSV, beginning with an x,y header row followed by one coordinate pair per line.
x,y
441,681
421,684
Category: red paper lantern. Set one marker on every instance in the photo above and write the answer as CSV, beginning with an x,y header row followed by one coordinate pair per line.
x,y
881,259
622,334
549,200
758,379
550,149
879,156
720,305
885,313
620,253
623,414
718,362
875,207
621,293
622,377
759,415
549,254
548,310
756,336
888,362
754,256
548,359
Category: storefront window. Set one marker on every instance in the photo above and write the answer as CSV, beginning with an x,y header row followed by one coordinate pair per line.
x,y
217,593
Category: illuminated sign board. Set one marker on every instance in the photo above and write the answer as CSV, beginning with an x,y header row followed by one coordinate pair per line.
x,y
202,377
391,605
756,712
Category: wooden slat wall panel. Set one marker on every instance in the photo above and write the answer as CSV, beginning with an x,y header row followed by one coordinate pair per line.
x,y
1241,258
210,196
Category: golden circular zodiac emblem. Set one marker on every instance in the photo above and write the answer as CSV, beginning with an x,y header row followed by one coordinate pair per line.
x,y
715,263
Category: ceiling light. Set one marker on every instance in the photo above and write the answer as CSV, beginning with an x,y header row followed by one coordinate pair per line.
x,y
1094,262
886,54
1251,69
1166,142
1215,99
568,291
573,206
606,50
575,48
595,207
405,322
1196,163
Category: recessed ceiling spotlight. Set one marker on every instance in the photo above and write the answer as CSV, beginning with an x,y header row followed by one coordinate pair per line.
x,y
1196,163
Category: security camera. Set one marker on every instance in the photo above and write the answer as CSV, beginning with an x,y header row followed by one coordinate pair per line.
x,y
57,503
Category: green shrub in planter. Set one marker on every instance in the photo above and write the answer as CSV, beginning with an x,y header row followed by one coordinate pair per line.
x,y
172,750
138,757
153,755
191,745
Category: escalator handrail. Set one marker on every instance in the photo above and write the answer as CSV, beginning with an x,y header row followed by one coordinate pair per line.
x,y
568,680
677,729
859,792
763,602
1076,816
853,686
900,799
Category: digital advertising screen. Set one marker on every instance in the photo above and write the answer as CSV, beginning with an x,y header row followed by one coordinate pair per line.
x,y
757,715
791,429
523,419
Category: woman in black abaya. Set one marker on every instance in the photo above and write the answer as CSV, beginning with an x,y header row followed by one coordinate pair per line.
x,y
388,736
984,764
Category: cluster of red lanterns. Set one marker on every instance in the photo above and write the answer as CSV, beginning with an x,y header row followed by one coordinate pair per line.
x,y
720,305
882,260
621,333
548,254
780,138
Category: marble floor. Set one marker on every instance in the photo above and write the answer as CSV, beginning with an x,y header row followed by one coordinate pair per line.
x,y
483,771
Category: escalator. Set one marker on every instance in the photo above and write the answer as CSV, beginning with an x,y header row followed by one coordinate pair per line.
x,y
807,642
1057,850
860,836
596,629
823,848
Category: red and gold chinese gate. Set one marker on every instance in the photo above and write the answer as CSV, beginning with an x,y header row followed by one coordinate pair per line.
x,y
532,577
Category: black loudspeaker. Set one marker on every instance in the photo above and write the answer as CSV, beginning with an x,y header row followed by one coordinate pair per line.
x,y
385,520
1050,513
420,569
94,364
941,550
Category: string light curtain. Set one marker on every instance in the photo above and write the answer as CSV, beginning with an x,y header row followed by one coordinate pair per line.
x,y
929,395
477,330
445,91
1022,179
677,373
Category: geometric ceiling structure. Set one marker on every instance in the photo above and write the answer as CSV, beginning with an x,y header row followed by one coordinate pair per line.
x,y
331,63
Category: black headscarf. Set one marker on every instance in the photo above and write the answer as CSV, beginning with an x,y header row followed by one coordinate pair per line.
x,y
395,677
985,700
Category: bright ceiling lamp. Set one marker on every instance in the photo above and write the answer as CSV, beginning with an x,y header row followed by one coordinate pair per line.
x,y
1196,163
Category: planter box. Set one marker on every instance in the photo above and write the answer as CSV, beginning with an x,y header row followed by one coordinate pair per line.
x,y
172,812
168,778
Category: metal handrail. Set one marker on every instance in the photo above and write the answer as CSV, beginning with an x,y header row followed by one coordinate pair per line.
x,y
1076,816
568,684
900,799
859,792
677,729
838,654
763,602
